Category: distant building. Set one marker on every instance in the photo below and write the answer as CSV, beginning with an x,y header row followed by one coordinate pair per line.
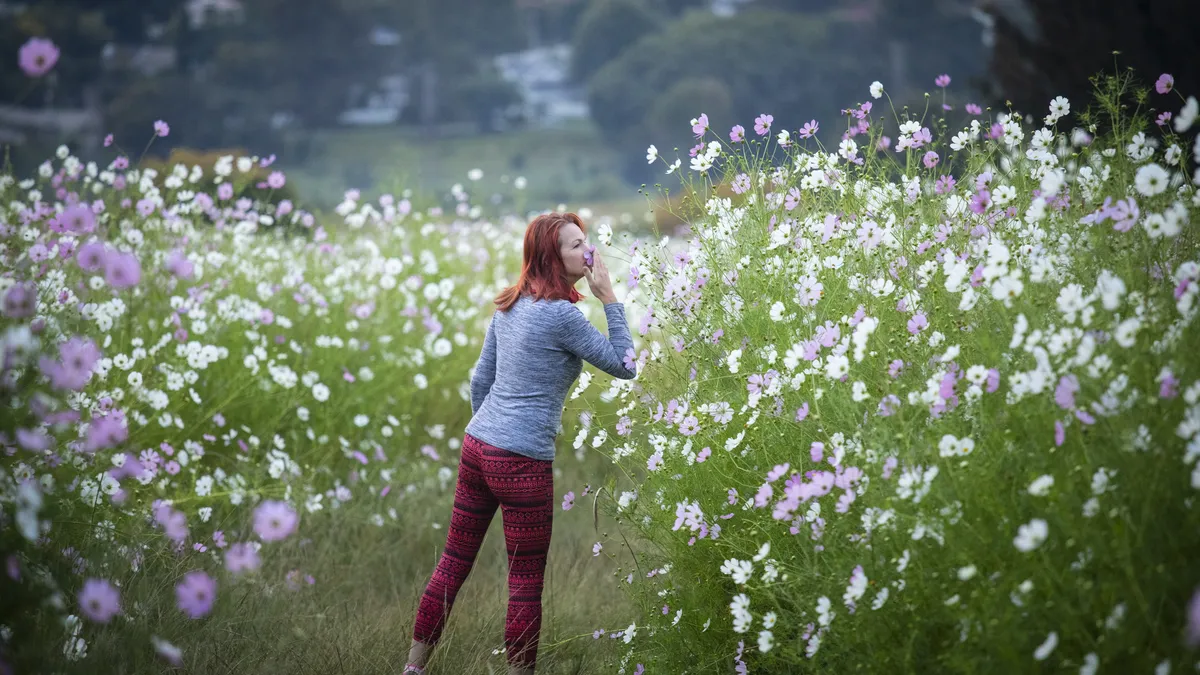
x,y
542,76
144,59
201,11
727,7
381,105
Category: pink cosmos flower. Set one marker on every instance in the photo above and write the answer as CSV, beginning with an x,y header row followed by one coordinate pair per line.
x,y
241,557
741,184
78,219
737,134
122,270
37,56
21,300
1165,83
942,80
701,125
99,600
161,129
195,594
1193,620
762,124
275,520
973,109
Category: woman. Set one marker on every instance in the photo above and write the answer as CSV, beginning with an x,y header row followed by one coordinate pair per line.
x,y
533,352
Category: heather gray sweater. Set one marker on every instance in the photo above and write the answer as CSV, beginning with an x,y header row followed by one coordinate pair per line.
x,y
531,356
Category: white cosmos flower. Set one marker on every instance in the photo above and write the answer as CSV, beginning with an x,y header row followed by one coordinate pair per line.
x,y
1043,651
1187,115
1151,180
1031,535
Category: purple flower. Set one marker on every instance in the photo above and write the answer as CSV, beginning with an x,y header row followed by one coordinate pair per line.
x,y
942,81
980,201
275,520
276,180
993,380
809,129
792,200
973,109
568,501
33,440
108,140
741,184
37,56
77,357
196,593
78,219
589,256
99,600
917,323
700,125
1064,393
889,405
1165,83
179,265
944,184
122,270
173,522
802,412
930,160
20,301
762,124
737,134
161,128
91,256
1193,620
242,557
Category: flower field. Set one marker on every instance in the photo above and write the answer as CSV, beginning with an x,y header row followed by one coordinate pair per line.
x,y
928,404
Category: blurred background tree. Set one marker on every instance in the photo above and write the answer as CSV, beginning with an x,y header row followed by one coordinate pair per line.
x,y
606,29
281,75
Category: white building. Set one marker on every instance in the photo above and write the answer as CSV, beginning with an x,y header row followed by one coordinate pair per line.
x,y
542,75
200,11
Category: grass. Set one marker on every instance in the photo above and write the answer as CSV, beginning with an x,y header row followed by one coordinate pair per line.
x,y
571,163
358,615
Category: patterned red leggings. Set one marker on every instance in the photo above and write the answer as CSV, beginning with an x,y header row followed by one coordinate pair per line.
x,y
523,488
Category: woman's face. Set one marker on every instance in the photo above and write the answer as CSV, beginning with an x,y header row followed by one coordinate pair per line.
x,y
571,245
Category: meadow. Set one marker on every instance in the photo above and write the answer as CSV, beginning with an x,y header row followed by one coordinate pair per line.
x,y
518,170
918,404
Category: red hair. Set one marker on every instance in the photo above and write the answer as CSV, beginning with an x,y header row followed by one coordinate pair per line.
x,y
543,274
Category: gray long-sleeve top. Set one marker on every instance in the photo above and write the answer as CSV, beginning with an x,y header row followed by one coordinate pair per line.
x,y
531,356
